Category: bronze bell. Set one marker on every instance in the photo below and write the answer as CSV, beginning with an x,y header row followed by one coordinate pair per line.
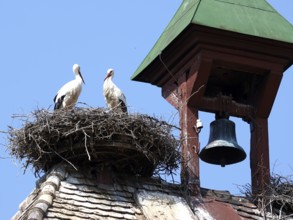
x,y
222,148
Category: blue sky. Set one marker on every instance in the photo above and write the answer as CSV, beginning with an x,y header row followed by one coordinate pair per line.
x,y
41,40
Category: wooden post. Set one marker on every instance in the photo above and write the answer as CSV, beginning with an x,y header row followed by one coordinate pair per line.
x,y
189,140
185,95
259,155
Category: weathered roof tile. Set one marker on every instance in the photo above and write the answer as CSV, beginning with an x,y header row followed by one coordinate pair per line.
x,y
29,200
156,205
249,216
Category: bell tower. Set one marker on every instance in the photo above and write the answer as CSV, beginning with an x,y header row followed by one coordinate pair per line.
x,y
226,58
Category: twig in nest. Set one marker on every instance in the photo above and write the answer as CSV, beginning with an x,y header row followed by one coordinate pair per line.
x,y
65,160
85,144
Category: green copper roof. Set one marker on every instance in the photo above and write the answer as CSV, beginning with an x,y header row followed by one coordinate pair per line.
x,y
250,17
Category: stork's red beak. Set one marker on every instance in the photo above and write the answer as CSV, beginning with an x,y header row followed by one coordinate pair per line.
x,y
107,76
81,76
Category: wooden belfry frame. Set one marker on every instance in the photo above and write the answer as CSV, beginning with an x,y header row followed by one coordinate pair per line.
x,y
205,67
187,94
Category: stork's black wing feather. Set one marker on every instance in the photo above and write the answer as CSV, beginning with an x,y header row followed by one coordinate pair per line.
x,y
54,100
58,103
123,106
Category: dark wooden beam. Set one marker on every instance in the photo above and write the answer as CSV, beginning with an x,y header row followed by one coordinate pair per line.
x,y
267,93
170,92
259,155
227,105
189,141
199,73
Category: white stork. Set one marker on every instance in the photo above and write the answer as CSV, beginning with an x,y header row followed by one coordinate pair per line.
x,y
115,99
67,96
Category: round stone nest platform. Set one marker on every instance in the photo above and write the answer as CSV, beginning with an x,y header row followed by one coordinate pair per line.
x,y
133,144
119,153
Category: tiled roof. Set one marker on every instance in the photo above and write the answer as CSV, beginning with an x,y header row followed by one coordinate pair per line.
x,y
65,193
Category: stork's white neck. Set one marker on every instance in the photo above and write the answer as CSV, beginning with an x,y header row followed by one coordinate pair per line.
x,y
76,72
108,80
108,83
78,77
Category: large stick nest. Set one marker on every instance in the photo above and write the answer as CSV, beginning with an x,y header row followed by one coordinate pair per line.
x,y
137,144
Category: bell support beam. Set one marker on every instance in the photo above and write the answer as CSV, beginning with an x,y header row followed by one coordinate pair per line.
x,y
189,141
226,104
197,72
259,155
184,92
268,92
171,93
259,143
200,70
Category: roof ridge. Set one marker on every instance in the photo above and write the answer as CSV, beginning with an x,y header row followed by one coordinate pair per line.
x,y
243,5
39,205
197,7
182,15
